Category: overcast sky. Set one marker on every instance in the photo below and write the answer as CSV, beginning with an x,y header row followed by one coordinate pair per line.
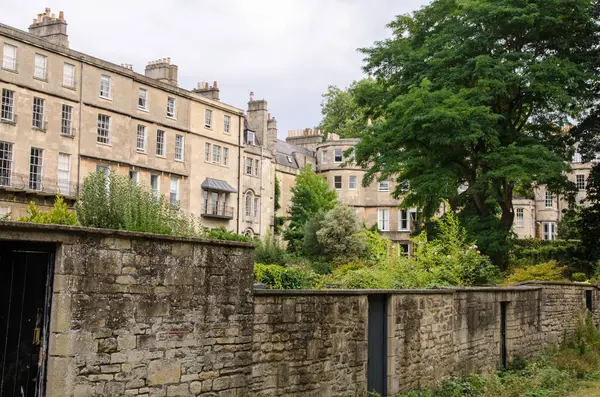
x,y
286,51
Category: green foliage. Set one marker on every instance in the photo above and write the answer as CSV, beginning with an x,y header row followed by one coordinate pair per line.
x,y
279,277
377,246
568,225
549,271
447,260
554,373
334,234
566,252
269,251
310,195
341,114
589,224
221,233
59,215
457,101
279,220
579,277
5,217
115,202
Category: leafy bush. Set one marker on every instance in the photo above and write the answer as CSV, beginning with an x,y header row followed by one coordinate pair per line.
x,y
279,277
535,251
269,251
221,233
549,271
338,233
116,202
59,215
377,246
579,277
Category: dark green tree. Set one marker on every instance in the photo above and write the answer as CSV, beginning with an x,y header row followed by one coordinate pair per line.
x,y
590,217
310,195
279,220
471,100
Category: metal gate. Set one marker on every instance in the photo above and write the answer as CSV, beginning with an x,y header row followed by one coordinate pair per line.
x,y
377,357
503,356
25,292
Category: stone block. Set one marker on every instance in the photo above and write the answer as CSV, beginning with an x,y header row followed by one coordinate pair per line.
x,y
163,372
220,383
178,390
126,342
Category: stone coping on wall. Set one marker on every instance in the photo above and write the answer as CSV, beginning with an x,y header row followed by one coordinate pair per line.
x,y
567,283
291,292
47,229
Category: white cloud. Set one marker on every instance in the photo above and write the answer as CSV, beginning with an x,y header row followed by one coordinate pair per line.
x,y
287,51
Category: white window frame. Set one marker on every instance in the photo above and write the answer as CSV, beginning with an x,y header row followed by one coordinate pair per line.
x,y
335,156
249,165
352,182
404,220
207,152
324,157
9,61
6,159
141,139
580,182
105,87
576,158
174,190
104,129
68,75
519,217
383,219
256,167
549,199
179,147
384,186
8,105
37,113
225,156
207,118
64,174
216,154
251,138
171,107
36,169
66,121
142,99
40,67
156,188
335,182
161,143
248,201
548,230
226,124
134,176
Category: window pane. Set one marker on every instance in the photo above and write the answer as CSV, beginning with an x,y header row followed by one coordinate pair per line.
x,y
40,67
9,57
226,123
103,129
140,145
35,169
105,86
160,143
171,107
64,171
6,157
208,118
207,152
8,103
66,126
69,75
338,156
225,156
37,120
216,154
142,99
179,147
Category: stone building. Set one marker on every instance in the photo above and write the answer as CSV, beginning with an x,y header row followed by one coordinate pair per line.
x,y
66,114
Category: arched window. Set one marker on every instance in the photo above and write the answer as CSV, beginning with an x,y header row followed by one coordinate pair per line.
x,y
249,204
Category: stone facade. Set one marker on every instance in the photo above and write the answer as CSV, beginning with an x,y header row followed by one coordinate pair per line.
x,y
136,314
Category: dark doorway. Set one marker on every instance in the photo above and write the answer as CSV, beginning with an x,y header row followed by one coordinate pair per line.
x,y
503,333
25,291
376,366
588,301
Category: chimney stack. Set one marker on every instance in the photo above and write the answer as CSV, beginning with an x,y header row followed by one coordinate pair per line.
x,y
205,90
53,29
162,70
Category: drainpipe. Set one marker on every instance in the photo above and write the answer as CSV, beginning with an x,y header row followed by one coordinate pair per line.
x,y
262,189
80,123
241,133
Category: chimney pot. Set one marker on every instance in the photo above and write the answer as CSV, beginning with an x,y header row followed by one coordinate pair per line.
x,y
268,116
47,10
53,15
61,15
34,21
251,96
215,85
206,85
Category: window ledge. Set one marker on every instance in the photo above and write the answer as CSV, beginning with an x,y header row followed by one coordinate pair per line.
x,y
172,118
141,152
39,129
161,156
104,144
6,121
105,98
72,136
16,71
45,80
69,87
179,161
143,109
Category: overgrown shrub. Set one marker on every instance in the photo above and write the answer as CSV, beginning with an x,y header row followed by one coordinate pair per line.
x,y
279,277
59,215
534,251
221,233
116,202
548,271
269,251
579,277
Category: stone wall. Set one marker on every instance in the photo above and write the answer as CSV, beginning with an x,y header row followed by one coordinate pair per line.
x,y
310,345
155,316
143,315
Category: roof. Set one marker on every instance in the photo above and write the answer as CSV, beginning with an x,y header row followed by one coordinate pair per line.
x,y
217,185
285,151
